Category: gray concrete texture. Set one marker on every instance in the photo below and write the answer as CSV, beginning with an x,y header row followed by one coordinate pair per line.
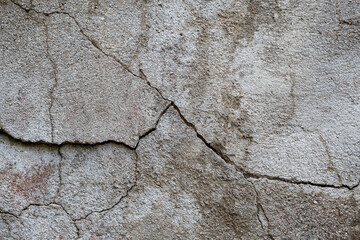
x,y
179,119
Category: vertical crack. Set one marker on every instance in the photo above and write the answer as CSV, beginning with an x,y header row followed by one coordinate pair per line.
x,y
261,215
55,76
292,94
60,173
330,159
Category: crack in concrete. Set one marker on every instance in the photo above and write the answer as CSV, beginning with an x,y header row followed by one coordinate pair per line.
x,y
259,208
46,205
226,159
137,174
299,182
292,94
60,174
55,72
247,175
97,46
8,213
143,76
331,163
6,133
154,128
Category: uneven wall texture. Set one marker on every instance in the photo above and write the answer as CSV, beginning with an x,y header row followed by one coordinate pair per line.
x,y
179,119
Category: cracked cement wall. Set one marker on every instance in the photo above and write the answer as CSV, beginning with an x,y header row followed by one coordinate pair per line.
x,y
186,119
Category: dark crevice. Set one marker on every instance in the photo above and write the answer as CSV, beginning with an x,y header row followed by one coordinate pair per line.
x,y
66,143
96,45
191,125
154,128
350,22
8,213
254,175
143,76
55,73
60,174
223,156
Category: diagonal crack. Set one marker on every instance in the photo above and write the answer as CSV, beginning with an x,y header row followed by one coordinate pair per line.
x,y
143,76
97,46
157,123
8,213
248,174
137,174
225,158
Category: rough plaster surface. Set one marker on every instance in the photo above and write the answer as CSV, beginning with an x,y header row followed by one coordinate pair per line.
x,y
184,119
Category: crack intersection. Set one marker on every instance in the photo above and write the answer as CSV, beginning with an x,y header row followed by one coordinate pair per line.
x,y
264,221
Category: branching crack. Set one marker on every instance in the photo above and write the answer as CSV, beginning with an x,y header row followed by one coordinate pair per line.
x,y
154,128
248,174
47,205
137,175
218,152
97,46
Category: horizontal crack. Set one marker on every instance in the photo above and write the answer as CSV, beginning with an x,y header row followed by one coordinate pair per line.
x,y
4,132
297,182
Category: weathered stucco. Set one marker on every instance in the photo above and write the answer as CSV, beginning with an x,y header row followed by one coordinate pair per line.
x,y
179,119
